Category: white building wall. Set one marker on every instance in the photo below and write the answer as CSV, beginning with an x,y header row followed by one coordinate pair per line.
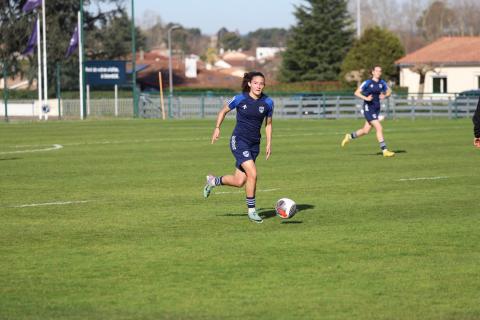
x,y
458,79
263,53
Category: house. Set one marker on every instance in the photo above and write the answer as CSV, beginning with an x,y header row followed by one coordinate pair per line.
x,y
266,53
445,67
155,63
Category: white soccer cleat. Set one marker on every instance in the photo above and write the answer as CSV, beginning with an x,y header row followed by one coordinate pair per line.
x,y
209,186
254,217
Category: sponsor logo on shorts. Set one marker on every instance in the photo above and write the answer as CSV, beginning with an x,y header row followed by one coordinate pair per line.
x,y
246,154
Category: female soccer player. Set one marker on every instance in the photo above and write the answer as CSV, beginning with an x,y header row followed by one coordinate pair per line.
x,y
253,107
371,92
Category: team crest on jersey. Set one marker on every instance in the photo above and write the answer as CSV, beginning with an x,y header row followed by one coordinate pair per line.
x,y
244,107
371,86
261,109
246,154
380,85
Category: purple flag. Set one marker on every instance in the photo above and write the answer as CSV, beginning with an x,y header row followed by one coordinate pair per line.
x,y
31,4
73,43
32,41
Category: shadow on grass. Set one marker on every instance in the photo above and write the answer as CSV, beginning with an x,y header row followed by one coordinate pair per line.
x,y
7,159
270,213
380,153
292,222
267,213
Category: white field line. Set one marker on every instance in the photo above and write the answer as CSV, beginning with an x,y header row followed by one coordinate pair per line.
x,y
53,147
423,178
242,191
59,203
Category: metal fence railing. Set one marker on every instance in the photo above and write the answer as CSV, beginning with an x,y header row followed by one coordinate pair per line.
x,y
201,106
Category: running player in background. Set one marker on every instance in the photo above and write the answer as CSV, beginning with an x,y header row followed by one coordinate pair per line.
x,y
371,92
253,107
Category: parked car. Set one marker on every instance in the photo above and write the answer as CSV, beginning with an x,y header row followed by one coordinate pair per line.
x,y
469,93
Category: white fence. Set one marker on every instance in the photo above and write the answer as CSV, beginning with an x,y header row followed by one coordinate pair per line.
x,y
201,106
323,107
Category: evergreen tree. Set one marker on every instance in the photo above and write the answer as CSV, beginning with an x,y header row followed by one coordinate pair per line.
x,y
319,41
376,47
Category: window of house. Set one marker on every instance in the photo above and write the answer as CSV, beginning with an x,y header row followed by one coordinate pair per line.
x,y
440,85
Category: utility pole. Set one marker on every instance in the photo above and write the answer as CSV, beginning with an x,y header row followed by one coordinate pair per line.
x,y
82,68
134,67
359,20
170,76
5,90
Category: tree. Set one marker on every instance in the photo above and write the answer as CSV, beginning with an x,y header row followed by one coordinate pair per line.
x,y
436,21
269,37
376,47
189,40
319,41
112,38
14,33
61,19
422,69
229,40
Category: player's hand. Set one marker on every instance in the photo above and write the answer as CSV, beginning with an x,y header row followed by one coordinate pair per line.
x,y
369,98
476,142
268,151
215,135
382,96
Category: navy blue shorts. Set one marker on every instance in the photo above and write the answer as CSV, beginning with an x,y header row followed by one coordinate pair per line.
x,y
243,150
370,113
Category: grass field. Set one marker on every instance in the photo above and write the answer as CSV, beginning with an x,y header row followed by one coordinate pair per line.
x,y
114,225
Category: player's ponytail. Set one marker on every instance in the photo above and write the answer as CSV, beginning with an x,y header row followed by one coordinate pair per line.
x,y
247,77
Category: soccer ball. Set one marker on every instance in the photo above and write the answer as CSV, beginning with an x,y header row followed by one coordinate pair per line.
x,y
285,208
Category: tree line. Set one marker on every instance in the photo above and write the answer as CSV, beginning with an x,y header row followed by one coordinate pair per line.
x,y
321,46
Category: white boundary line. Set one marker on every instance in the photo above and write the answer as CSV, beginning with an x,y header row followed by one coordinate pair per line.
x,y
231,192
53,147
423,178
59,203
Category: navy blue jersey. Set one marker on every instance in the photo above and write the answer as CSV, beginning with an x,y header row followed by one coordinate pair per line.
x,y
250,115
371,87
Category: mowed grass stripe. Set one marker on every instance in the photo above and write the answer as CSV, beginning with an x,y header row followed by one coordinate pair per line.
x,y
364,245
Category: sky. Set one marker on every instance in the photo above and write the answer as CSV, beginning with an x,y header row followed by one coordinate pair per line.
x,y
211,15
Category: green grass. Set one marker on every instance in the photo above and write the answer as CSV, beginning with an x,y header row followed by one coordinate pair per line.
x,y
146,245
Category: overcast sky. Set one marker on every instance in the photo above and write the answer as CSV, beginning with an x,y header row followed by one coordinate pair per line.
x,y
211,15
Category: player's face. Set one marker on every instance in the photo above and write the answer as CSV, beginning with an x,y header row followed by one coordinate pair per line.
x,y
377,72
256,85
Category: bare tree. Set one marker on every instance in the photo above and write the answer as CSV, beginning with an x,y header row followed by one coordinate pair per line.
x,y
422,69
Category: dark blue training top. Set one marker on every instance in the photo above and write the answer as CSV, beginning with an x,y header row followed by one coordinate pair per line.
x,y
370,87
250,115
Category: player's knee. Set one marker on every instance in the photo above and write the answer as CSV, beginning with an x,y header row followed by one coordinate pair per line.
x,y
252,175
240,182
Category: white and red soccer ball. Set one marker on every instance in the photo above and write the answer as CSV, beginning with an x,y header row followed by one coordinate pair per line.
x,y
285,208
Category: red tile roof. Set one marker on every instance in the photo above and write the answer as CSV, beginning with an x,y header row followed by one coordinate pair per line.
x,y
446,51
